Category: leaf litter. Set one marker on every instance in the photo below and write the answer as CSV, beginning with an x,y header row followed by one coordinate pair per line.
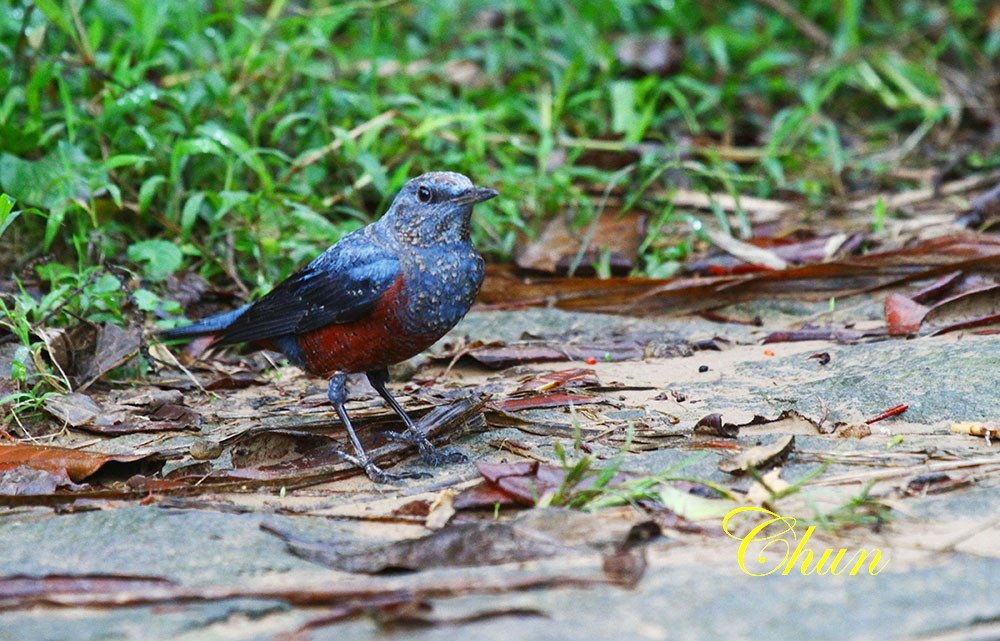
x,y
253,432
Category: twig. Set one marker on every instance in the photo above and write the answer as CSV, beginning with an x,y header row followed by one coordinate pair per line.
x,y
314,156
882,475
895,410
902,199
766,210
81,32
745,251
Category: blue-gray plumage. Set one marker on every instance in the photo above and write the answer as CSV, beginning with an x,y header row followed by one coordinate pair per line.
x,y
379,296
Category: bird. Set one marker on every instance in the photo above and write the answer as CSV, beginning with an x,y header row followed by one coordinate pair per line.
x,y
380,295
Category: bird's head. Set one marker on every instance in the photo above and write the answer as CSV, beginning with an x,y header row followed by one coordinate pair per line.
x,y
435,208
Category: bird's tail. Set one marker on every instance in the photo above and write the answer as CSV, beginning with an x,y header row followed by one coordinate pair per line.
x,y
206,326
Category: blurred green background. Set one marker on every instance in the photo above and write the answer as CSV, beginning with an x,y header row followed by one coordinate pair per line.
x,y
238,139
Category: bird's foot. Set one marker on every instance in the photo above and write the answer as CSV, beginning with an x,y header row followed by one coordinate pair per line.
x,y
376,473
428,452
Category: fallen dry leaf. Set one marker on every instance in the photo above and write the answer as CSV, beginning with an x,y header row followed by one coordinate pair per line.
x,y
441,510
558,247
462,545
540,401
769,484
524,483
14,590
759,457
927,259
969,309
74,409
28,481
853,430
115,347
560,379
903,316
76,464
750,254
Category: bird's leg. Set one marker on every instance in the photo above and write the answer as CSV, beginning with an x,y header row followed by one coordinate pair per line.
x,y
337,393
413,434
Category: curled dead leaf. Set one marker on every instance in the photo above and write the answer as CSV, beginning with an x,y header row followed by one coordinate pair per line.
x,y
759,457
76,464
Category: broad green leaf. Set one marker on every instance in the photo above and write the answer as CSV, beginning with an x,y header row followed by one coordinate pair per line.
x,y
148,190
160,258
241,148
61,175
7,213
189,214
146,300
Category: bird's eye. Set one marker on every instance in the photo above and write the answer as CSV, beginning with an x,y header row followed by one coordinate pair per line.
x,y
424,194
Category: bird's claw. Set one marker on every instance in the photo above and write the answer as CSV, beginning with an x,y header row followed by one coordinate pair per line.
x,y
443,456
431,455
376,473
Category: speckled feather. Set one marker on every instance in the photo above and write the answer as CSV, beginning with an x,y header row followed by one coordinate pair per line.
x,y
379,296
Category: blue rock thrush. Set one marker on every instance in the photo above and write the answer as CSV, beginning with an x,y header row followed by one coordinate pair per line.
x,y
380,295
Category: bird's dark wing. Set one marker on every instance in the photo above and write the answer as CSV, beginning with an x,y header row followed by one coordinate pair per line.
x,y
341,285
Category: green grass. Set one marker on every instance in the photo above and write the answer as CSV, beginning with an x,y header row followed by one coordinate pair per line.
x,y
238,139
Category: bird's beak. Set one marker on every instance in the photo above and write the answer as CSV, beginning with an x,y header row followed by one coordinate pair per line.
x,y
476,195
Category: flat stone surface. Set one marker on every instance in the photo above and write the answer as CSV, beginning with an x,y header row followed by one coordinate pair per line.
x,y
944,558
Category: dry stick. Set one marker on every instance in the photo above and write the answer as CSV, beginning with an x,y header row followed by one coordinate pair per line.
x,y
894,201
326,592
314,156
881,475
186,371
809,28
768,209
81,33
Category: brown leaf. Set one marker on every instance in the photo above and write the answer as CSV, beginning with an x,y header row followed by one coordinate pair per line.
x,y
556,250
166,418
927,259
795,252
461,545
76,464
541,401
70,348
484,495
902,315
713,425
27,481
149,399
115,347
968,309
526,482
74,409
239,380
14,589
560,379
